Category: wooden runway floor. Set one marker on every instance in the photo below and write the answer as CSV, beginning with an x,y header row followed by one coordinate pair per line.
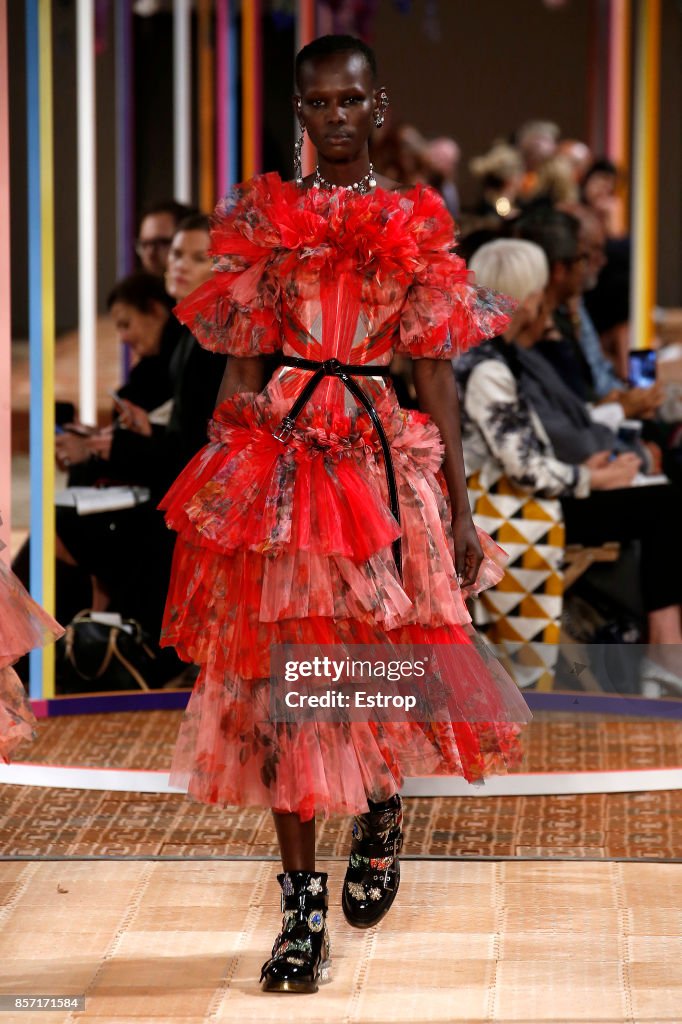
x,y
466,941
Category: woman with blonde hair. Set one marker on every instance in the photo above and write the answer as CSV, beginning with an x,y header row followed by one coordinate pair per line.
x,y
500,172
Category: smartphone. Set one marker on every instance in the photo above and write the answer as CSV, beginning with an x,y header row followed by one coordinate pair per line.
x,y
642,368
118,402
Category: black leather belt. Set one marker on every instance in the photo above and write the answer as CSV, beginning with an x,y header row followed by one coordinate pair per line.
x,y
345,373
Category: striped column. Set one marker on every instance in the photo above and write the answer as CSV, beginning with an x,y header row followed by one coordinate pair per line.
x,y
252,105
182,100
646,95
305,33
227,57
125,144
5,300
87,211
41,321
618,96
206,98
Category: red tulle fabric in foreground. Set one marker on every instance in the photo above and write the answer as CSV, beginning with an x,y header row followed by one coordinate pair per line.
x,y
293,543
23,626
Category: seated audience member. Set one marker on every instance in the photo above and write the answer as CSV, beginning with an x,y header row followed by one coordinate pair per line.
x,y
195,372
442,158
574,245
555,183
126,552
503,429
558,235
578,155
157,227
537,143
599,191
608,386
500,173
400,153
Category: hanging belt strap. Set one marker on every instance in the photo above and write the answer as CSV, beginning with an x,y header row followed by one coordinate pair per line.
x,y
345,373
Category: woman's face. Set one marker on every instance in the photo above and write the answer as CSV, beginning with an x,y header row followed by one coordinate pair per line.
x,y
336,104
141,330
534,317
599,186
189,264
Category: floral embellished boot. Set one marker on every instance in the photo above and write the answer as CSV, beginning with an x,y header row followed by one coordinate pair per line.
x,y
373,873
301,954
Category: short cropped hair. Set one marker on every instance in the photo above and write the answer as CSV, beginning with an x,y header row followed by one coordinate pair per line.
x,y
329,46
195,222
554,231
511,266
140,291
178,211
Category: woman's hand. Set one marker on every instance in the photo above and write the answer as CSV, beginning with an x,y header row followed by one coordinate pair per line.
x,y
134,418
468,551
100,443
70,449
609,476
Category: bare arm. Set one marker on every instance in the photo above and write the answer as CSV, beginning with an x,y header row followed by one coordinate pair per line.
x,y
437,395
242,374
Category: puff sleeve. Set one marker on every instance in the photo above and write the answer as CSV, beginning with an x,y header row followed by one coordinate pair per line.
x,y
445,312
237,312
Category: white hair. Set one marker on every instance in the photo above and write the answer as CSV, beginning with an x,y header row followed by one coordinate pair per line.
x,y
512,266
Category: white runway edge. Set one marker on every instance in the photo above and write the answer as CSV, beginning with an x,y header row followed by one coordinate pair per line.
x,y
518,784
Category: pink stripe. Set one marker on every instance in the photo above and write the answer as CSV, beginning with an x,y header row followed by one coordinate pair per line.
x,y
5,298
41,708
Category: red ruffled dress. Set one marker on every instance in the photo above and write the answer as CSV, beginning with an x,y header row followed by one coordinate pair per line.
x,y
292,543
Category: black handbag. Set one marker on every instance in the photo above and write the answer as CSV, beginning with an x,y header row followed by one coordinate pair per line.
x,y
98,655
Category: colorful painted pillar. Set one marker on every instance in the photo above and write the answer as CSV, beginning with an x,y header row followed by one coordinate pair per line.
x,y
87,212
182,100
5,299
206,98
252,99
125,146
41,322
305,33
227,58
644,188
619,84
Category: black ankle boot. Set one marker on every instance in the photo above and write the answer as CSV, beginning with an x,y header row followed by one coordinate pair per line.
x,y
373,873
301,953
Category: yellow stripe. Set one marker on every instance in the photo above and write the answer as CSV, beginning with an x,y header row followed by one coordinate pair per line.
x,y
48,319
645,172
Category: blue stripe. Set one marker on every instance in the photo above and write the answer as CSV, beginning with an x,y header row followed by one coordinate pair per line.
x,y
578,703
604,704
35,311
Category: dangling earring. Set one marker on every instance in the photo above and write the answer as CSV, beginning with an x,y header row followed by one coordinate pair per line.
x,y
383,106
298,147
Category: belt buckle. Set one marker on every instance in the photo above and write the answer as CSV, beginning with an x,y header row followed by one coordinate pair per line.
x,y
283,432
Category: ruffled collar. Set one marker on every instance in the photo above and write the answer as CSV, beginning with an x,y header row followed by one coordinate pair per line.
x,y
382,232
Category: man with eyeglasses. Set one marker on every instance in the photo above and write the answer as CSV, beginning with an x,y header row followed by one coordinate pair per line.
x,y
157,227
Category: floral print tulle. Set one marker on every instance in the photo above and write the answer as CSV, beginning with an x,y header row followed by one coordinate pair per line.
x,y
293,543
23,626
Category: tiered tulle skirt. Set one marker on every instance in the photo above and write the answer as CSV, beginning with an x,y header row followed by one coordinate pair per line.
x,y
23,626
291,544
